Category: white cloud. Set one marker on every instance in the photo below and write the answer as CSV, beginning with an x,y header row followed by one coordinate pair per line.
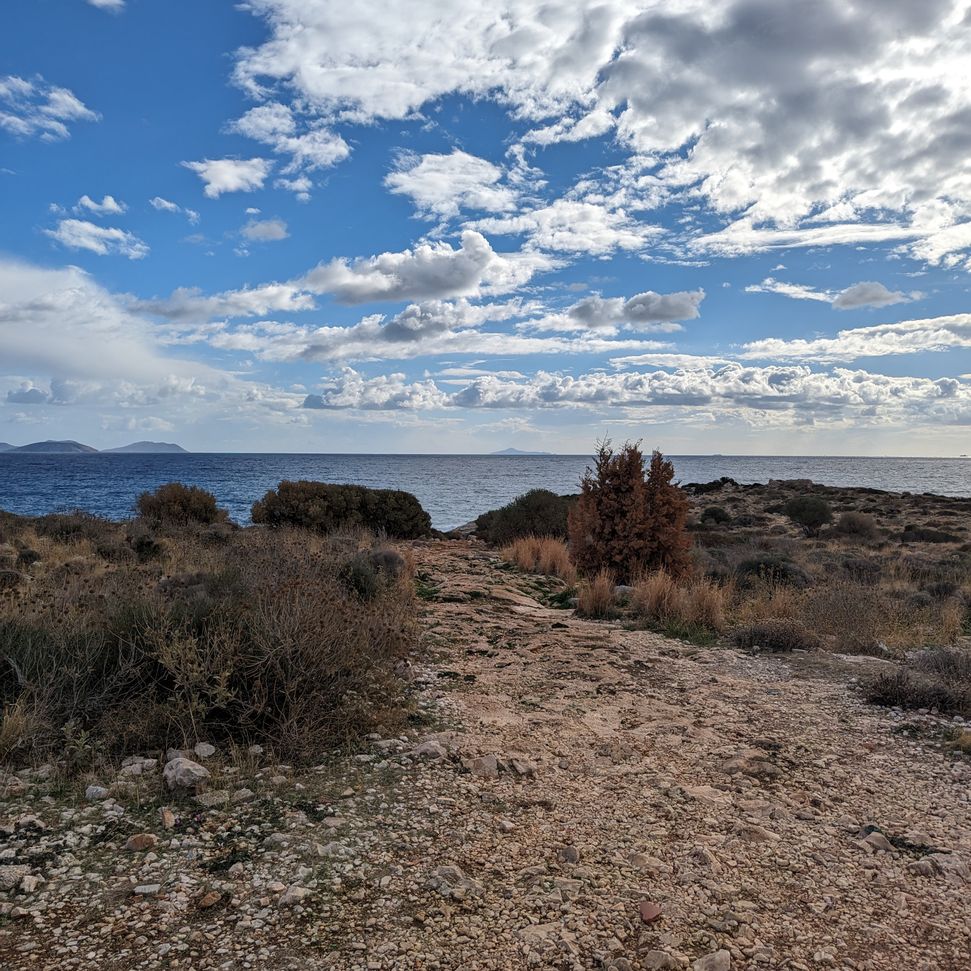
x,y
426,271
103,240
648,311
442,185
187,305
265,230
434,328
35,107
166,205
108,4
905,337
864,294
796,392
230,174
315,147
574,227
822,123
870,294
109,206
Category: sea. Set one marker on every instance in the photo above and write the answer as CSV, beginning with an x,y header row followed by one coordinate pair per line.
x,y
453,488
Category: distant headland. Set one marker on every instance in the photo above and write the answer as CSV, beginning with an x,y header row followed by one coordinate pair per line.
x,y
77,448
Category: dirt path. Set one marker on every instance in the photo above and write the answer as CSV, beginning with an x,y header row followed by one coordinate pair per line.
x,y
598,798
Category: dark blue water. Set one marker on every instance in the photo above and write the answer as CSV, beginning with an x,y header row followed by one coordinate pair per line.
x,y
453,488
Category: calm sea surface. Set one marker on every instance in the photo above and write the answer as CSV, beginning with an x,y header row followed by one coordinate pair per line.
x,y
453,488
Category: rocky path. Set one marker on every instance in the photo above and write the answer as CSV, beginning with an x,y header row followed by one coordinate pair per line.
x,y
596,798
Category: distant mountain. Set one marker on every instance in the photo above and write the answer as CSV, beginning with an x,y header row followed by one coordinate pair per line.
x,y
516,451
59,448
149,447
4,447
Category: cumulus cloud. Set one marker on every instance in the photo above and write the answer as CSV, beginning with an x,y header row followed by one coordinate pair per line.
x,y
188,305
264,230
573,226
648,311
108,4
870,294
864,294
103,240
309,147
905,337
30,107
442,185
109,206
796,391
166,205
27,394
822,123
426,271
231,174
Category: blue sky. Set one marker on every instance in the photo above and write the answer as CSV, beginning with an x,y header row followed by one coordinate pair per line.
x,y
303,225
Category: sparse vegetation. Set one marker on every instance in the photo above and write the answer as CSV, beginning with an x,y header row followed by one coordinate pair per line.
x,y
284,638
659,598
775,634
326,508
858,524
596,598
717,515
935,679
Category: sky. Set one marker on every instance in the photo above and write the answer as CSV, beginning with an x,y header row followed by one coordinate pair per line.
x,y
319,226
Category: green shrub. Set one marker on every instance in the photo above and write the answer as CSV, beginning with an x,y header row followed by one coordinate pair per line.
x,y
324,508
716,514
809,512
924,534
538,512
66,527
175,504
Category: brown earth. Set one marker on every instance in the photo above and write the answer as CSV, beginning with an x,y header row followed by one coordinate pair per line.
x,y
651,805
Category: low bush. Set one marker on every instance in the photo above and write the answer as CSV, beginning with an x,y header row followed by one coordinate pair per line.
x,y
771,568
775,634
716,515
541,554
924,534
175,504
538,512
266,638
811,513
703,488
326,508
858,524
938,679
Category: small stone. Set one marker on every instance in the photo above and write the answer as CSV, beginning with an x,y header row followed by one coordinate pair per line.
x,y
568,854
10,876
210,899
522,768
147,889
141,841
431,750
243,795
649,911
186,775
95,793
658,961
294,895
204,750
485,767
720,960
167,818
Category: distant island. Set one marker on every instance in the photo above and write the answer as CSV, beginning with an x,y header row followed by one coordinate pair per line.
x,y
76,448
149,447
517,451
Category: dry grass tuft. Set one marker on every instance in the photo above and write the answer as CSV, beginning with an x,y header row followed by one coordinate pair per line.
x,y
595,597
659,598
541,554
